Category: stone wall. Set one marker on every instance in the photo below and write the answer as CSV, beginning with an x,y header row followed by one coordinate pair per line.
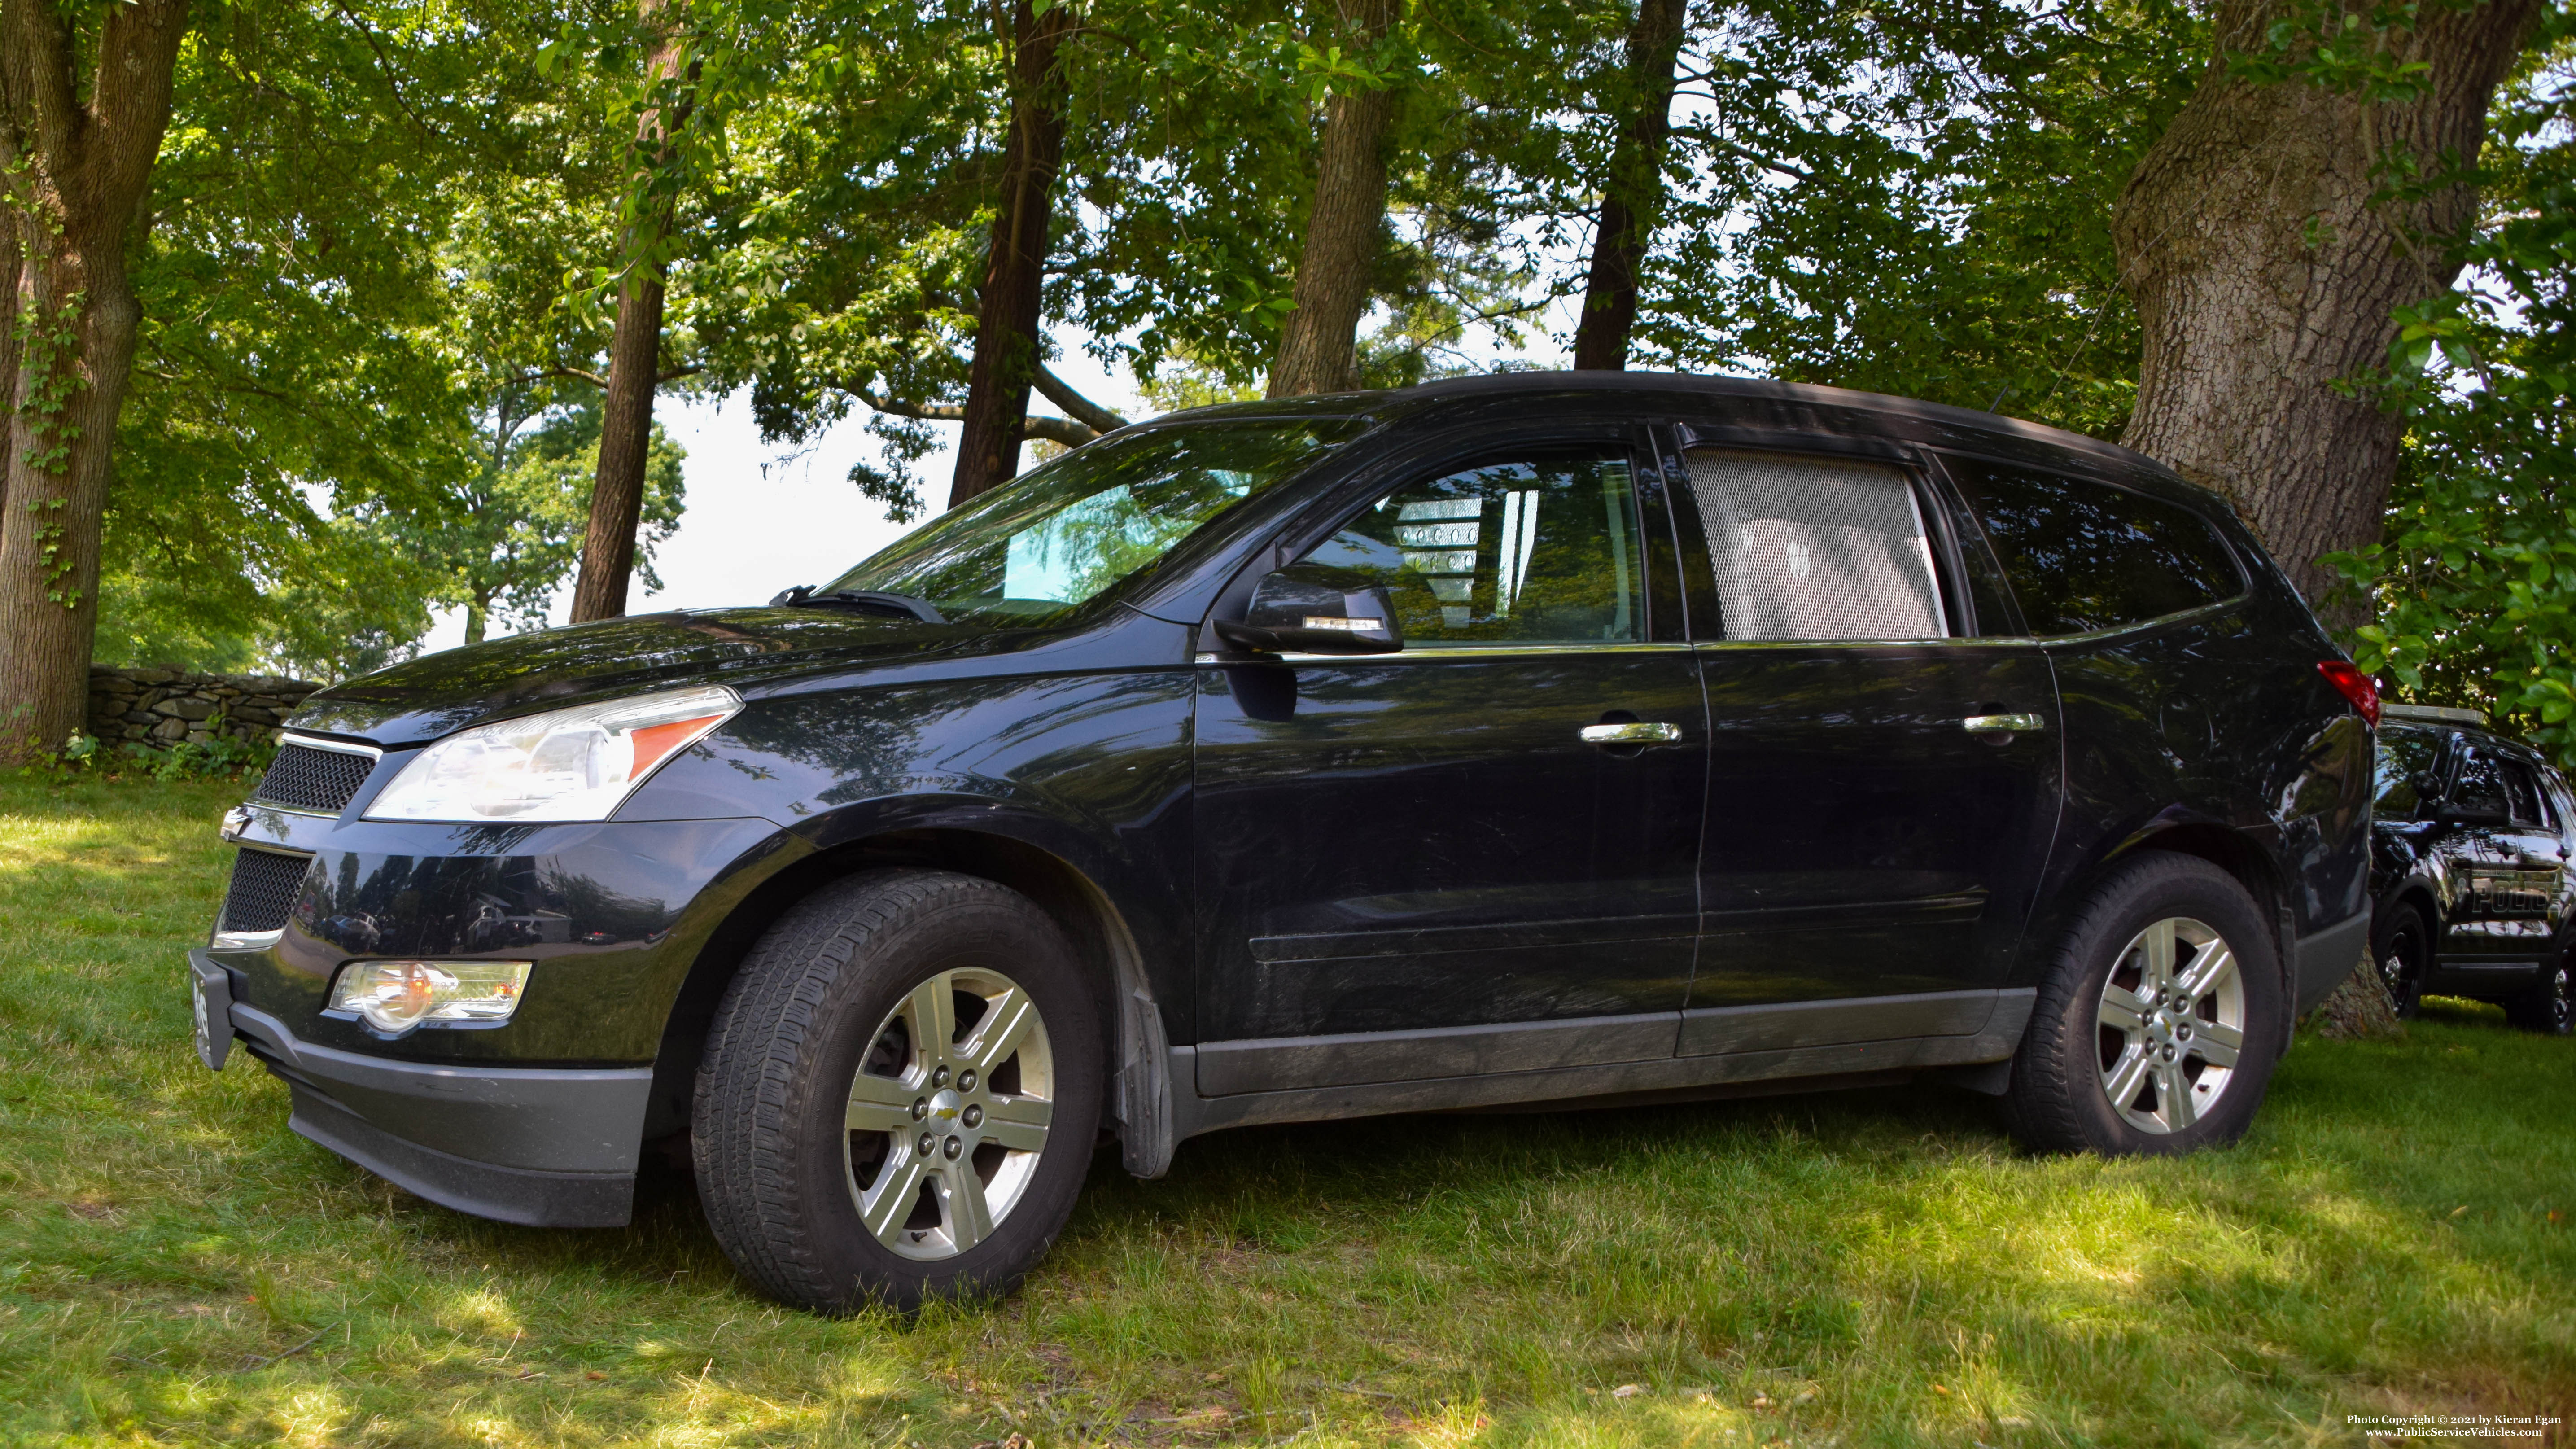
x,y
165,706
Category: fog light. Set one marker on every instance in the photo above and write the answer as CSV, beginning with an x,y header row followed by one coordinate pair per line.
x,y
395,996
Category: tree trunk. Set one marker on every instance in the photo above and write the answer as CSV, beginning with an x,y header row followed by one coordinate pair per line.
x,y
634,350
478,609
77,172
2265,267
1318,343
10,251
1006,325
1634,195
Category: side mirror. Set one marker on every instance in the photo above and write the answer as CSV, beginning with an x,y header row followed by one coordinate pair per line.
x,y
1294,615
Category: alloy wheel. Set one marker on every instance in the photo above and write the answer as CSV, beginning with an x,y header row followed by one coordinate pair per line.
x,y
2561,1001
2171,1023
948,1113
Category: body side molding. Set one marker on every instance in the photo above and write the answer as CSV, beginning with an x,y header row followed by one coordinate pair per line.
x,y
1996,1021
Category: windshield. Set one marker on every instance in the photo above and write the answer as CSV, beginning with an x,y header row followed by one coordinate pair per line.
x,y
1038,546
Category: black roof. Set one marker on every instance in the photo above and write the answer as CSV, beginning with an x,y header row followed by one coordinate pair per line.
x,y
1751,403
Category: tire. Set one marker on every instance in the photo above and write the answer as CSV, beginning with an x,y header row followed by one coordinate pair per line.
x,y
2091,1075
824,1079
2403,947
2549,1007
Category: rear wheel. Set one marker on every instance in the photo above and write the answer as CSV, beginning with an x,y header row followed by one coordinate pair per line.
x,y
2158,1026
2403,949
2549,1007
900,1094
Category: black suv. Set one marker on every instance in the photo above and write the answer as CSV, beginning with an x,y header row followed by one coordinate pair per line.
x,y
1527,738
2470,841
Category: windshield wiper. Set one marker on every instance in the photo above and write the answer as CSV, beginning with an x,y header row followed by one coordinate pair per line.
x,y
878,599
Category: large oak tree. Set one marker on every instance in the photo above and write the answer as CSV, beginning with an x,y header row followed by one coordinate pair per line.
x,y
2318,181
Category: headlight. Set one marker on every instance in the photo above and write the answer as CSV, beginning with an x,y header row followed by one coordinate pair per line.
x,y
567,764
395,996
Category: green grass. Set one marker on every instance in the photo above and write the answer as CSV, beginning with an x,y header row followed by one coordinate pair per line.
x,y
1864,1268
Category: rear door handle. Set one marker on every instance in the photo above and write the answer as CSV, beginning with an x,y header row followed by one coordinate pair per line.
x,y
1634,732
2002,724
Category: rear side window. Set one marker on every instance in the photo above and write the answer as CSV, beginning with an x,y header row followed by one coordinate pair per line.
x,y
2084,556
2407,759
2522,788
1806,548
1537,550
2481,788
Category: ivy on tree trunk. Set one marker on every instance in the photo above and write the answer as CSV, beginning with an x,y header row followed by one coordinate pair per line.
x,y
1006,327
73,173
2308,189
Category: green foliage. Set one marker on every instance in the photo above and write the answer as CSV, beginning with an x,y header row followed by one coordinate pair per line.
x,y
1918,201
515,535
220,758
298,369
356,271
2472,589
2348,48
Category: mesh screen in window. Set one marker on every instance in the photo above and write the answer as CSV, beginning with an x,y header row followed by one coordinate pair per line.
x,y
1807,548
1529,551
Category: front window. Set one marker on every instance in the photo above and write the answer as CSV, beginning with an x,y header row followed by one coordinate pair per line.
x,y
1519,551
1039,546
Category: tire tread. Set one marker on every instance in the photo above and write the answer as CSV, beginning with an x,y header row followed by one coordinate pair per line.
x,y
749,1095
2048,1075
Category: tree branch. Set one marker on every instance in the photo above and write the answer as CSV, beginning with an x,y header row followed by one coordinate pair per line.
x,y
927,412
1080,408
1055,430
542,373
385,63
130,99
38,54
1720,143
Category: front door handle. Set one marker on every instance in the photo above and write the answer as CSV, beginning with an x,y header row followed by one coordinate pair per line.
x,y
2002,724
1634,732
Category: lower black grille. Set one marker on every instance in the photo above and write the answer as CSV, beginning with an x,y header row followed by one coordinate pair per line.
x,y
263,890
304,778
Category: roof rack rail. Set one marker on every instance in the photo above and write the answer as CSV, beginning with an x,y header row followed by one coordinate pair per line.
x,y
2434,714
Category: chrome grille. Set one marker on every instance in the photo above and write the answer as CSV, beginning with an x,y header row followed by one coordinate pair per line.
x,y
304,778
263,890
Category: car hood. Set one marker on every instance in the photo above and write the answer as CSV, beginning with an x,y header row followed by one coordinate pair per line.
x,y
440,693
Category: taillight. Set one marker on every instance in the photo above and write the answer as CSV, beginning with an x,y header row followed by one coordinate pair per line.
x,y
2353,685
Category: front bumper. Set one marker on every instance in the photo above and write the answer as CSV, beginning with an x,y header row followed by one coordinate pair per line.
x,y
548,1147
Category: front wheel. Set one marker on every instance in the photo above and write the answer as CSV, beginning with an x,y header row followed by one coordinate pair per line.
x,y
900,1094
2159,1023
2403,948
